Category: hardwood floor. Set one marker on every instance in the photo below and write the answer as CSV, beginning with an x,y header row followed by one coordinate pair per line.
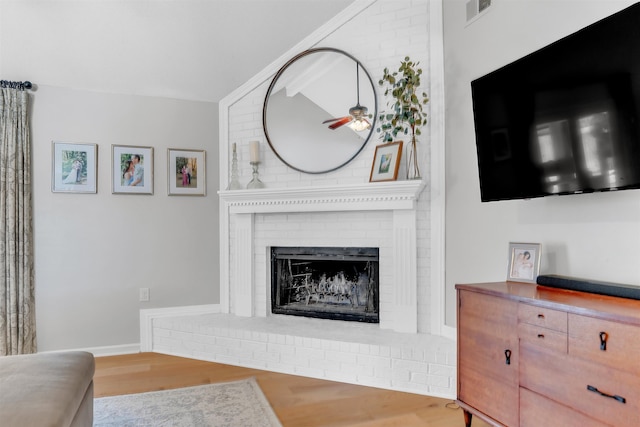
x,y
297,401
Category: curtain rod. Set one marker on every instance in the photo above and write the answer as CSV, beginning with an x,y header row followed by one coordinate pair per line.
x,y
15,85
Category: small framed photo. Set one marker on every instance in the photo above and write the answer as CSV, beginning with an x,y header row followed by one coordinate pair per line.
x,y
131,169
386,162
74,168
187,172
524,262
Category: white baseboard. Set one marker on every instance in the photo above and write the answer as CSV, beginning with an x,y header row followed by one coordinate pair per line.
x,y
110,350
114,350
147,316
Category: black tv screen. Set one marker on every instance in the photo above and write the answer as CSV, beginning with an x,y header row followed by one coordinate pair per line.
x,y
564,119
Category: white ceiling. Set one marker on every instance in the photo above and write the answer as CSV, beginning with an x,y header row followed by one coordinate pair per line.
x,y
186,49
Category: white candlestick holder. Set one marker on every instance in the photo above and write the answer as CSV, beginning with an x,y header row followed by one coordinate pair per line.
x,y
255,182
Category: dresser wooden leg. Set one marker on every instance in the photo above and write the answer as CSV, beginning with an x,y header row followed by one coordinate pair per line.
x,y
467,418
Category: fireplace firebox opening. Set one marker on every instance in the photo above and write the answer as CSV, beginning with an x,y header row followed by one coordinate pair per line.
x,y
326,282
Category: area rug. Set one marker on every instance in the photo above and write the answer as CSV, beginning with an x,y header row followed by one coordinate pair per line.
x,y
232,404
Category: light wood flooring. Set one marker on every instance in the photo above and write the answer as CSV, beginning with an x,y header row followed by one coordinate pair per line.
x,y
297,401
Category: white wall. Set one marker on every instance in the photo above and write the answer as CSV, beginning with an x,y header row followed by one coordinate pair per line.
x,y
595,236
94,251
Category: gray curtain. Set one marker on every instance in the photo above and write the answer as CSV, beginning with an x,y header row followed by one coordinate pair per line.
x,y
17,297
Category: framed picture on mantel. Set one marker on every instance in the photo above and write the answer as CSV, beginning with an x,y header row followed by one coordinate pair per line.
x,y
386,162
524,262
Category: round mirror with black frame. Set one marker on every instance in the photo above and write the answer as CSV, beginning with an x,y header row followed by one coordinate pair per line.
x,y
319,111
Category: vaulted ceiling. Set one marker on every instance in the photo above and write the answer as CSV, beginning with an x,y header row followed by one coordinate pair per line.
x,y
186,49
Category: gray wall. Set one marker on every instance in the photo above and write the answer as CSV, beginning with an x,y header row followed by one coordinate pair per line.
x,y
94,251
595,236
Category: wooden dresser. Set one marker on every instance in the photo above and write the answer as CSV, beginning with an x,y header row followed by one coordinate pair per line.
x,y
537,356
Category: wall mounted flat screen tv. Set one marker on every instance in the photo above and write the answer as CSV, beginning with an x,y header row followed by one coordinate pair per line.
x,y
564,119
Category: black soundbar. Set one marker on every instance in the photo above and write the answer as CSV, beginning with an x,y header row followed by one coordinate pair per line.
x,y
592,286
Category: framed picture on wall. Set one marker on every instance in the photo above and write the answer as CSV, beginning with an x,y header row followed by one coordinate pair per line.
x,y
386,162
131,169
524,262
74,168
187,172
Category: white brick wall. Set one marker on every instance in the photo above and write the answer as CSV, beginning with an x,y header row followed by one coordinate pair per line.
x,y
357,353
381,36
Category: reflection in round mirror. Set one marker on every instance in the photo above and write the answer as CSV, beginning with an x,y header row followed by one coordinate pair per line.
x,y
319,110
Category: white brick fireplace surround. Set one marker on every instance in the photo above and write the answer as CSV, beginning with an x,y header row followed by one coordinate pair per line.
x,y
373,215
242,331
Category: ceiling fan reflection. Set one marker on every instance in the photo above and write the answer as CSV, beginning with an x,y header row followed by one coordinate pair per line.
x,y
357,114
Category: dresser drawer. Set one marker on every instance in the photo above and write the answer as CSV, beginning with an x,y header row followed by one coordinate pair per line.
x,y
537,411
546,338
621,342
608,395
544,317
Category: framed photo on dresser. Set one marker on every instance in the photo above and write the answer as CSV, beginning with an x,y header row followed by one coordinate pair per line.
x,y
524,262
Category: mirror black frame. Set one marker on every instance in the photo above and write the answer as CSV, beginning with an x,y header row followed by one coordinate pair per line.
x,y
273,83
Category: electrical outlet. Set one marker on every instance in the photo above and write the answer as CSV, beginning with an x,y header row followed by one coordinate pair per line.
x,y
144,294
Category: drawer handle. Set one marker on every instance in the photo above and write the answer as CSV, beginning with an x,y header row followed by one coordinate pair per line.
x,y
541,336
540,316
612,396
507,355
603,341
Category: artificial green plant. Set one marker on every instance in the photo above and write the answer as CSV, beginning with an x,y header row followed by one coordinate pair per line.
x,y
406,113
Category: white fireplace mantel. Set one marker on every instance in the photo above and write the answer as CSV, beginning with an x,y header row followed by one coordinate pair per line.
x,y
390,195
400,197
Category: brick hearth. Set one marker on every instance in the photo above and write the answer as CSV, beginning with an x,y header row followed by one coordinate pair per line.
x,y
356,353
